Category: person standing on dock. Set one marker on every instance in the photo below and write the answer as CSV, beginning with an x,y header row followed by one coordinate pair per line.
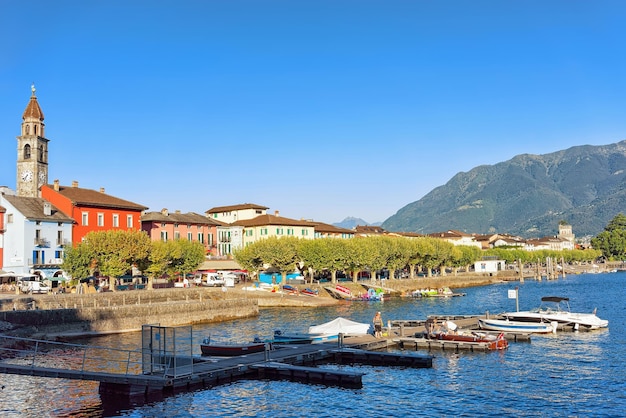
x,y
378,325
429,326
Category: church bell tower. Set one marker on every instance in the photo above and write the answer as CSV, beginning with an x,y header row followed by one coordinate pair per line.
x,y
32,151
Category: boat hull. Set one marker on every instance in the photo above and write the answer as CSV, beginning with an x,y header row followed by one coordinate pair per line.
x,y
230,350
297,338
504,325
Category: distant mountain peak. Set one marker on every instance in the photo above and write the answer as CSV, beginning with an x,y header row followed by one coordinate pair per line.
x,y
351,222
527,195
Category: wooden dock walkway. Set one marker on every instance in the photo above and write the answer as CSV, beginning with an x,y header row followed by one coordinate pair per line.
x,y
142,374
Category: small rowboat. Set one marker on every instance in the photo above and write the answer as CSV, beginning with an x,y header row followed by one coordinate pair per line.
x,y
309,292
230,350
290,289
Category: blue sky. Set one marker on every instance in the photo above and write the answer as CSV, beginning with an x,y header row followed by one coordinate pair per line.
x,y
318,109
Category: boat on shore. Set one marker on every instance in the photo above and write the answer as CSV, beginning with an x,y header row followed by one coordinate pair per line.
x,y
556,309
339,292
309,292
505,325
230,350
444,292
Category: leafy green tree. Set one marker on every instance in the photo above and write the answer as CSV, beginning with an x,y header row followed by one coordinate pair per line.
x,y
612,241
356,258
400,252
174,257
439,252
418,248
113,252
77,261
249,258
280,253
464,256
323,254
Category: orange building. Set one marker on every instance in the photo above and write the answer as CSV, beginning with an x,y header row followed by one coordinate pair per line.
x,y
93,210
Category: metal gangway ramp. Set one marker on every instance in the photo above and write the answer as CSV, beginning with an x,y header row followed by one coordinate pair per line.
x,y
153,368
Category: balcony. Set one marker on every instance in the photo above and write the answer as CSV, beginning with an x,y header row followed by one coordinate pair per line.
x,y
63,242
42,242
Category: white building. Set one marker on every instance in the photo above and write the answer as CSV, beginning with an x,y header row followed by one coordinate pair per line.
x,y
36,234
491,266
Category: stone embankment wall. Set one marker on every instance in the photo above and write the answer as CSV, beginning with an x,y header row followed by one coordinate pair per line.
x,y
74,315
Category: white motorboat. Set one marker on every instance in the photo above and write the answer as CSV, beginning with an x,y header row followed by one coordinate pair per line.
x,y
556,309
505,325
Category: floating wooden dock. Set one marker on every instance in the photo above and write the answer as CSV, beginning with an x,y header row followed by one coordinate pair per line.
x,y
153,372
275,370
433,344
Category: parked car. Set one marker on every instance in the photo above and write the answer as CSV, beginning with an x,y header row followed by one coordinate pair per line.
x,y
212,279
32,284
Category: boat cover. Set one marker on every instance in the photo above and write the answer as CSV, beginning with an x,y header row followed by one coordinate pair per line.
x,y
340,325
556,299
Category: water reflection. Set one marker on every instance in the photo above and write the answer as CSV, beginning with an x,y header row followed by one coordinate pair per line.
x,y
568,374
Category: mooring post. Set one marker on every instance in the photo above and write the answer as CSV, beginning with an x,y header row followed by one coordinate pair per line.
x,y
340,340
267,352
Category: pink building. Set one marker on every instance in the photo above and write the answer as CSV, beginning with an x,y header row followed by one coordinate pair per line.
x,y
164,226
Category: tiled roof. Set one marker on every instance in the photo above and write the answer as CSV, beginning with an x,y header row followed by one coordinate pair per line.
x,y
32,109
407,234
262,220
33,208
88,197
181,218
369,229
322,227
231,208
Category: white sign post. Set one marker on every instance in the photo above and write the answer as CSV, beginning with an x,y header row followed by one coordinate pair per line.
x,y
513,295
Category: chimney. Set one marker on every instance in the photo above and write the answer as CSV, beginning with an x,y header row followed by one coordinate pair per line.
x,y
102,190
47,208
164,212
74,183
56,185
177,211
276,213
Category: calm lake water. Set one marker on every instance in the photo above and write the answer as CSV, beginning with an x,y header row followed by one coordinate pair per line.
x,y
564,375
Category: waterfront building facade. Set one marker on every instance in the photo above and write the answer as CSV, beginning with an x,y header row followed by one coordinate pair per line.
x,y
165,226
36,234
93,210
265,226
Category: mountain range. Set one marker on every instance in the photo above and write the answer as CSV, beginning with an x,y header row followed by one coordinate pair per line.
x,y
527,195
351,222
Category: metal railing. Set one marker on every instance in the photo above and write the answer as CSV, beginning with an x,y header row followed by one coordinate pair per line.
x,y
32,353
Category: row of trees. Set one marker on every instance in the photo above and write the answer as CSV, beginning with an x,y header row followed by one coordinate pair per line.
x,y
115,253
381,252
